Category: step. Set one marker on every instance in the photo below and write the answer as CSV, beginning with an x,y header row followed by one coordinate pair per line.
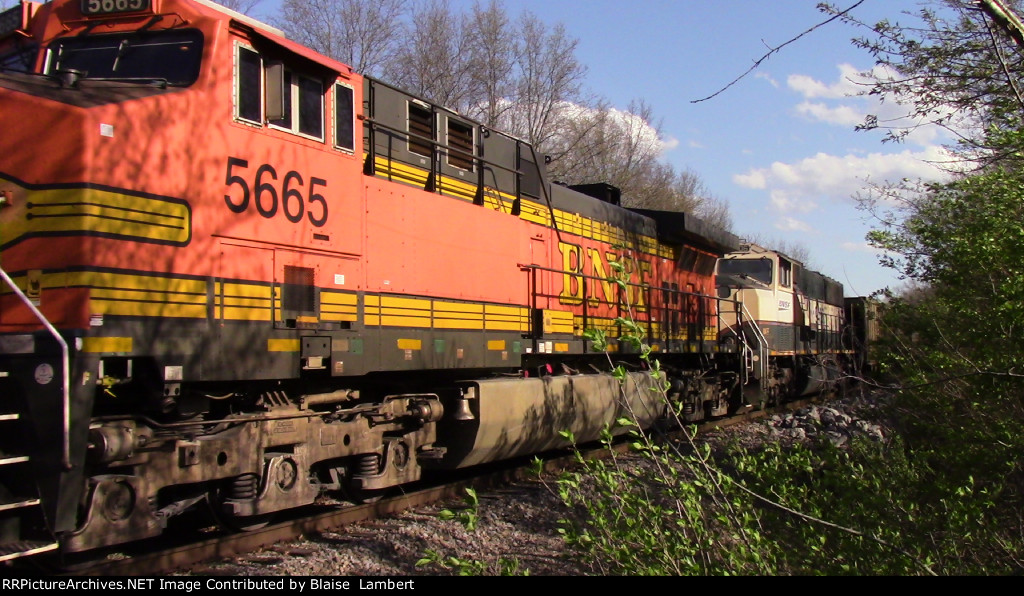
x,y
9,416
18,504
25,548
13,459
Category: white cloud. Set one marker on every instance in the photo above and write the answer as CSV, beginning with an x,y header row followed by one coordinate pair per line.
x,y
841,115
669,143
860,247
844,102
789,224
767,77
850,83
755,179
784,202
801,185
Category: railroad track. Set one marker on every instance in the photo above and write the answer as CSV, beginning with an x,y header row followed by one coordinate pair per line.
x,y
211,544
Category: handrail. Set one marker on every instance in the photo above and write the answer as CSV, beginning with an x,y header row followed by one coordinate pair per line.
x,y
762,343
544,189
66,361
737,329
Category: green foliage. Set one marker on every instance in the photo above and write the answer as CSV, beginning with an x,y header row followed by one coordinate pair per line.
x,y
936,499
627,523
471,567
954,348
468,516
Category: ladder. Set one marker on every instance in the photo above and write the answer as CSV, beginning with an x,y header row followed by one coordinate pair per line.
x,y
20,505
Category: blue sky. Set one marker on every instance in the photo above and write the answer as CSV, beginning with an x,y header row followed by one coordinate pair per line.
x,y
778,146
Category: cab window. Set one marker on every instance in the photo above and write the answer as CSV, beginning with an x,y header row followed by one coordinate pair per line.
x,y
785,273
249,86
758,269
303,106
344,117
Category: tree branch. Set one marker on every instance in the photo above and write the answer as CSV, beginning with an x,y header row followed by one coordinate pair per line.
x,y
776,49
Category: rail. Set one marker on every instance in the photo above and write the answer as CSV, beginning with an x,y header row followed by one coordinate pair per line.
x,y
66,364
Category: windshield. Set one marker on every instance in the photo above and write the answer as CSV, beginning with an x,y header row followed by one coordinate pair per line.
x,y
171,56
759,269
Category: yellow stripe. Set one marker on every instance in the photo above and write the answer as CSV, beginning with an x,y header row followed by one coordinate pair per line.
x,y
339,298
496,344
246,291
283,345
80,210
411,303
450,185
403,321
461,324
494,309
458,307
409,344
147,309
556,321
245,314
125,281
107,344
244,302
561,347
338,308
151,296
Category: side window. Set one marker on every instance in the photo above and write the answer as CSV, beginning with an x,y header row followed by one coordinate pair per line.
x,y
248,86
421,130
303,106
785,273
344,115
311,107
460,145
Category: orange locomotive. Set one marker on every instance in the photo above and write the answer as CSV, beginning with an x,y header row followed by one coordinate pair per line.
x,y
238,274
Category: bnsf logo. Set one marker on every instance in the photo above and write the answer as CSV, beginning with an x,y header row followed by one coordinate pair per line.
x,y
784,304
596,264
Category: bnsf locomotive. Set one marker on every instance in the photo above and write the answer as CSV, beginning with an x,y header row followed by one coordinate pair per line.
x,y
238,275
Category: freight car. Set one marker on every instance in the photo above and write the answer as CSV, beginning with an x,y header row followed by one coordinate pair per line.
x,y
239,275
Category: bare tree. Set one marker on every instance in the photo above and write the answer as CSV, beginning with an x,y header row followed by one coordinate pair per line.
x,y
492,47
434,62
626,149
359,33
716,212
550,81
